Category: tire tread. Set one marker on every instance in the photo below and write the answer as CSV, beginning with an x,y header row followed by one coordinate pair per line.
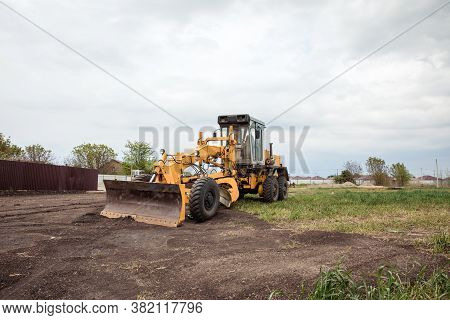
x,y
268,189
195,205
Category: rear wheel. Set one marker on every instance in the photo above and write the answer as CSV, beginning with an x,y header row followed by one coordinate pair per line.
x,y
203,199
270,189
283,188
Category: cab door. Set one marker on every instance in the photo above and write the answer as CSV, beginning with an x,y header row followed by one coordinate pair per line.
x,y
259,143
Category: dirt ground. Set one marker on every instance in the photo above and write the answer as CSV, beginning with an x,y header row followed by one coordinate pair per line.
x,y
58,247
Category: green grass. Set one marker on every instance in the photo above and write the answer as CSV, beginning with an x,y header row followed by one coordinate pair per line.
x,y
388,284
358,210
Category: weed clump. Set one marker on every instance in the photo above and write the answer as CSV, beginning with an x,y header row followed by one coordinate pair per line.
x,y
338,284
441,243
334,284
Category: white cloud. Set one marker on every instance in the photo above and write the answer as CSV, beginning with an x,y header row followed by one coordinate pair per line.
x,y
200,58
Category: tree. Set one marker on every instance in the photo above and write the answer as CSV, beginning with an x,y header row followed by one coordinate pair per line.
x,y
90,155
352,171
37,153
8,150
377,169
345,176
354,168
139,156
401,175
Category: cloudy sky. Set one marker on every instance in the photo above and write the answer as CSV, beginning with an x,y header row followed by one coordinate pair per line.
x,y
201,58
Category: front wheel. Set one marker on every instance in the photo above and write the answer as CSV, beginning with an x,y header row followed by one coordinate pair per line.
x,y
270,189
204,199
283,188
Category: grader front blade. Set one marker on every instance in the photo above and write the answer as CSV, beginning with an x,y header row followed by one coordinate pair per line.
x,y
151,203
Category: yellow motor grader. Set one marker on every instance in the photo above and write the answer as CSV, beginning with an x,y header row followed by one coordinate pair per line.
x,y
222,169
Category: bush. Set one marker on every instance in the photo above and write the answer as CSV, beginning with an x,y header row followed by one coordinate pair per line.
x,y
345,176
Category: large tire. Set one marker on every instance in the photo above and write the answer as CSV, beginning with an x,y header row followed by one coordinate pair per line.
x,y
203,199
282,188
270,189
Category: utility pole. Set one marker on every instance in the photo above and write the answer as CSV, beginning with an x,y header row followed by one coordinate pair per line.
x,y
437,175
446,178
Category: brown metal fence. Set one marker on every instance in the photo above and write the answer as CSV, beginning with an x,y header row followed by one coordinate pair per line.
x,y
16,175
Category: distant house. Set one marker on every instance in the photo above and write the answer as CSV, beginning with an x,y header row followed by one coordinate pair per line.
x,y
430,180
112,167
427,178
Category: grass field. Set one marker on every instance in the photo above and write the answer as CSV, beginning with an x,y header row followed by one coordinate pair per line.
x,y
423,213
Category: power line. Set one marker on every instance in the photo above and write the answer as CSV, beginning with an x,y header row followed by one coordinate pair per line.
x,y
123,83
326,84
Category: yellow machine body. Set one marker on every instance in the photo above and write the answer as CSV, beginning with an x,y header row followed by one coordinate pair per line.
x,y
163,200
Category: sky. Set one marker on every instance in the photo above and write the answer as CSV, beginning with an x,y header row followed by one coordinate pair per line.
x,y
198,59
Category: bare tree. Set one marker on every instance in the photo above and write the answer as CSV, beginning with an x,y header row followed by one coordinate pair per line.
x,y
354,168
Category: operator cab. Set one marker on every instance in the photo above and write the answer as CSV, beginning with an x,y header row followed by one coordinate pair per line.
x,y
249,133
